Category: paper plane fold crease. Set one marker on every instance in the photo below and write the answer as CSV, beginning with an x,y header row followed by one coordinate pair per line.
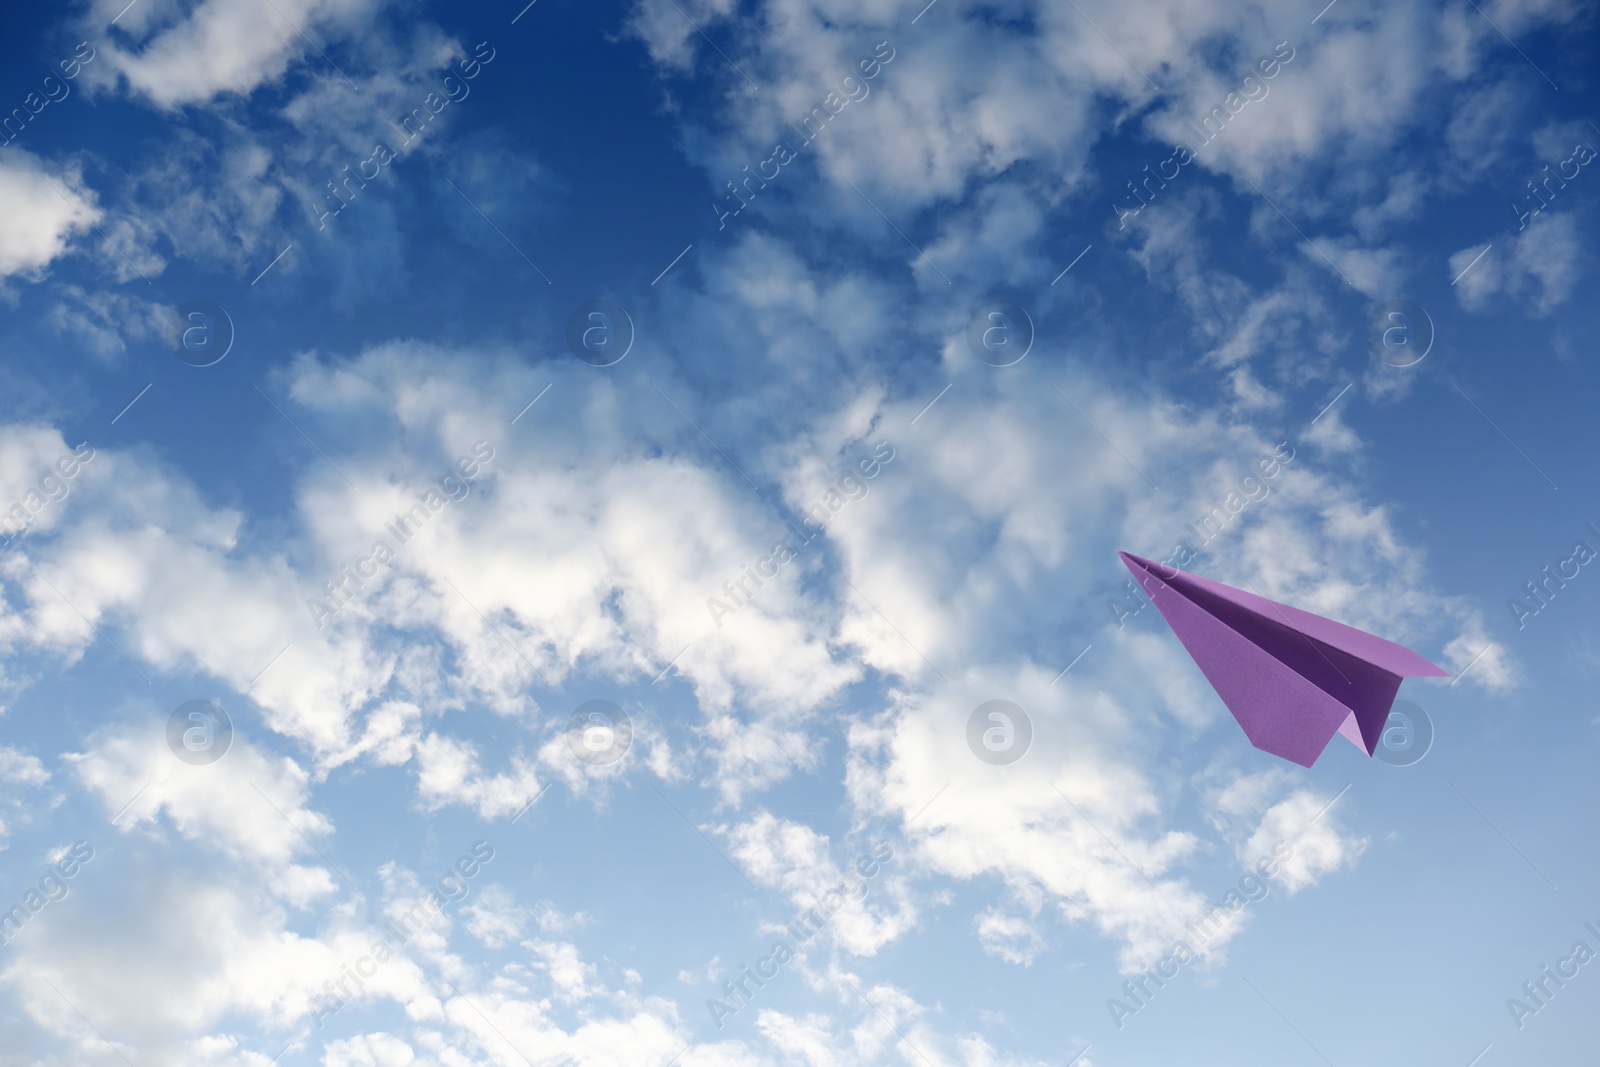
x,y
1291,678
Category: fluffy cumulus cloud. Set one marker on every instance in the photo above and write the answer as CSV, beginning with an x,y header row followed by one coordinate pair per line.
x,y
966,98
849,898
179,57
804,531
369,1050
521,558
584,558
255,813
289,104
226,947
630,549
218,950
46,207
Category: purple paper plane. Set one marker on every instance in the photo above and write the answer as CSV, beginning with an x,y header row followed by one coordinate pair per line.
x,y
1291,678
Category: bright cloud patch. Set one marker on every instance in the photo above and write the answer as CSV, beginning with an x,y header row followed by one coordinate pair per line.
x,y
45,208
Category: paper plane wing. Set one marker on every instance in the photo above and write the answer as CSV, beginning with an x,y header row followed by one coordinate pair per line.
x,y
1291,678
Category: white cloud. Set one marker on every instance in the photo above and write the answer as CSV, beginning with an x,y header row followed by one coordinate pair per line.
x,y
670,34
20,773
967,98
1485,123
19,766
1092,851
218,47
598,558
995,242
638,1030
146,552
251,806
1403,203
1273,340
1475,276
1012,937
1549,256
975,565
1375,272
592,538
206,948
35,496
794,858
45,207
1271,816
369,1050
603,557
233,186
1540,265
1318,848
105,321
448,772
495,918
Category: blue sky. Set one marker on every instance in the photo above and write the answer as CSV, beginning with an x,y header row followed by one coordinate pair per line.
x,y
405,749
